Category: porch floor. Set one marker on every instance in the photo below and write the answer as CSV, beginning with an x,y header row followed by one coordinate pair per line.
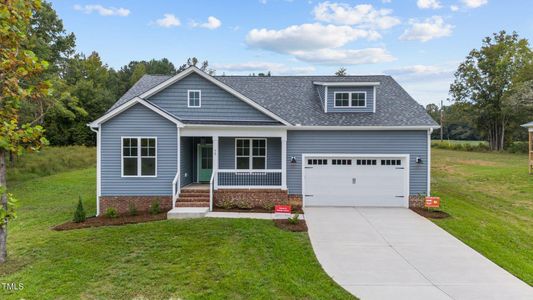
x,y
196,186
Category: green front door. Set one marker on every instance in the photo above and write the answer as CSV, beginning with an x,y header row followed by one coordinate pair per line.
x,y
205,162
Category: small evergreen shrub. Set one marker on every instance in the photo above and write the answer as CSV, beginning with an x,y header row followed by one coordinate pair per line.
x,y
294,219
111,212
226,204
155,208
132,209
80,215
244,204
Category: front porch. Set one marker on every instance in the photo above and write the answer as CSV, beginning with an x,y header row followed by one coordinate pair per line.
x,y
237,161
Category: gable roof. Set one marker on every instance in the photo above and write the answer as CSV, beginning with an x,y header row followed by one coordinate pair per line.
x,y
296,100
130,103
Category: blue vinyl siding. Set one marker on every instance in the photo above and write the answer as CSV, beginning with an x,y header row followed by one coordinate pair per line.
x,y
138,121
358,142
216,103
369,99
227,153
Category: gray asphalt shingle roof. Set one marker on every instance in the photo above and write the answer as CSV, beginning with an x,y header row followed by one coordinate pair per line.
x,y
296,100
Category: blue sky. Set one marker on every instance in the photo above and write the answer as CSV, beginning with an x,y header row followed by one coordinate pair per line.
x,y
419,42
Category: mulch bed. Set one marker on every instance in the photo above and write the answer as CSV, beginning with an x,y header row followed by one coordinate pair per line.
x,y
431,214
284,224
253,210
106,221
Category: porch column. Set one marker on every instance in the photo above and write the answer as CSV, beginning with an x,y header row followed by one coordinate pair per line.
x,y
215,160
284,162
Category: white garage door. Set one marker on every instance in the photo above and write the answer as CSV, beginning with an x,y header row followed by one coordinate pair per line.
x,y
355,181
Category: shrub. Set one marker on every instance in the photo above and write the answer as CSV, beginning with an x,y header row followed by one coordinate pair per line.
x,y
294,219
226,204
155,208
132,209
244,204
111,212
268,205
79,214
518,147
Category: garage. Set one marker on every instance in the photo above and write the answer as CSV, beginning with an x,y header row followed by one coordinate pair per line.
x,y
356,180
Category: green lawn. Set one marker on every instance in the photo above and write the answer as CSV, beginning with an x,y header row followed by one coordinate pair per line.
x,y
490,198
189,259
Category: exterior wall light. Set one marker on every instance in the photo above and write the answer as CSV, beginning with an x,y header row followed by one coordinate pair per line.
x,y
293,159
418,160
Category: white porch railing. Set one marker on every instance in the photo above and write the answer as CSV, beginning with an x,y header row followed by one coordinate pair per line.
x,y
211,188
176,187
263,179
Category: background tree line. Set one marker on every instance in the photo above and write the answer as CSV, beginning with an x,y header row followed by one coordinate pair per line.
x,y
492,94
82,86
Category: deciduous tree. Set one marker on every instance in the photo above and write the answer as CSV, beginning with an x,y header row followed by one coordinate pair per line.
x,y
18,68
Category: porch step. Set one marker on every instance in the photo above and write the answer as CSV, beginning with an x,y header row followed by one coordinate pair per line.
x,y
189,190
187,212
193,204
193,199
193,195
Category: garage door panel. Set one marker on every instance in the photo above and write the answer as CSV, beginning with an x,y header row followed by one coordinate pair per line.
x,y
355,185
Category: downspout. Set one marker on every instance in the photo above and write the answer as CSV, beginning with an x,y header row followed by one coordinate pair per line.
x,y
430,131
97,168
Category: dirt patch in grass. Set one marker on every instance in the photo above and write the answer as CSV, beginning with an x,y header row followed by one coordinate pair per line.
x,y
431,214
284,224
106,221
476,162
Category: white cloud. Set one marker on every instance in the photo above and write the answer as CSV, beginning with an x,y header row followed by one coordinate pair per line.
x,y
103,11
259,66
474,3
420,70
212,23
168,20
306,37
363,15
426,4
263,1
345,56
454,7
426,30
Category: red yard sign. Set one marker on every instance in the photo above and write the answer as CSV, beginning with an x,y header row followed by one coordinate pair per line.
x,y
432,202
282,209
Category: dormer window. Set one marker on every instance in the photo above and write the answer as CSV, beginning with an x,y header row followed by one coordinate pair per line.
x,y
350,99
194,98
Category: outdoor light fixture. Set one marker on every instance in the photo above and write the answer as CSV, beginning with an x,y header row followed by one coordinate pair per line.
x,y
293,159
418,160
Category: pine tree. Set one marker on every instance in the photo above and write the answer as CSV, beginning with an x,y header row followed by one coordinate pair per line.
x,y
79,215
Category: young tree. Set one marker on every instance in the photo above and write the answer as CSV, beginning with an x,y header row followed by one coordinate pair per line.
x,y
341,72
485,78
18,67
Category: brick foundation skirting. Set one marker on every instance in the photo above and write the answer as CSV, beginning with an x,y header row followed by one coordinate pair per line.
x,y
254,198
416,201
142,203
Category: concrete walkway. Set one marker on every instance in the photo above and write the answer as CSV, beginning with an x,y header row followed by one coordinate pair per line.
x,y
393,253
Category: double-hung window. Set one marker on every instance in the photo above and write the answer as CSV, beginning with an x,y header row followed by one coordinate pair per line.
x,y
194,98
250,154
139,156
350,99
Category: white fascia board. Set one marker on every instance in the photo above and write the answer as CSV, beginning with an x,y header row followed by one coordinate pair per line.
x,y
346,83
362,127
218,83
129,104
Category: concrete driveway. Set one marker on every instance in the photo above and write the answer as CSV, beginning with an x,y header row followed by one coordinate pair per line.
x,y
393,253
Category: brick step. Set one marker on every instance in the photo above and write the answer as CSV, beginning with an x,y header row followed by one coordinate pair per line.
x,y
195,190
190,195
193,199
192,204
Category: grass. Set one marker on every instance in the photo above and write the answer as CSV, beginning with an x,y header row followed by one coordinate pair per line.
x,y
188,259
51,160
490,198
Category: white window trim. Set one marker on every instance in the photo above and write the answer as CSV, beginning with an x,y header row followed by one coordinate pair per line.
x,y
189,99
349,99
139,157
251,156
